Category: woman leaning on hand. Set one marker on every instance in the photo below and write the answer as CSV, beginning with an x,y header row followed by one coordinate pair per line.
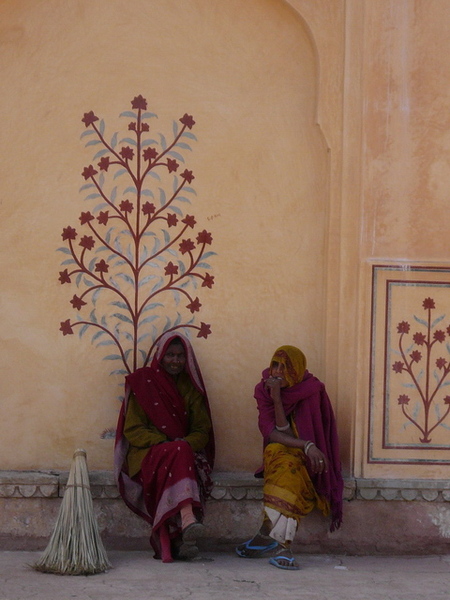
x,y
301,466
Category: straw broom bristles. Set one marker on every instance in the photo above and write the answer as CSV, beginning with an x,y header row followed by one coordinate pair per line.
x,y
75,547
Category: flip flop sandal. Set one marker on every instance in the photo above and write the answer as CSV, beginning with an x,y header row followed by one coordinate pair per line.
x,y
255,551
290,559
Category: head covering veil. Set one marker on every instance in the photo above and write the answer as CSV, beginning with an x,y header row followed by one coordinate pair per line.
x,y
191,366
294,362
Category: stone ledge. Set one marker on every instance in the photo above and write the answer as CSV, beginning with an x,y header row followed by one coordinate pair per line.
x,y
227,486
29,484
437,490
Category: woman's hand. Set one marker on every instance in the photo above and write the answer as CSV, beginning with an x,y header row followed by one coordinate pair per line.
x,y
273,385
318,460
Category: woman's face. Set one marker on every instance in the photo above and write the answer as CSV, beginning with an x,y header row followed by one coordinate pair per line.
x,y
277,370
174,359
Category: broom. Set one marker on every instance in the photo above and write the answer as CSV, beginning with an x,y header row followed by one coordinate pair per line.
x,y
75,547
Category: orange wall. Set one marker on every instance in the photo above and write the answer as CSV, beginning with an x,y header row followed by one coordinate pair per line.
x,y
260,179
321,151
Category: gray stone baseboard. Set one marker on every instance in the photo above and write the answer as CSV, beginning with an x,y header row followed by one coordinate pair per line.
x,y
227,486
380,516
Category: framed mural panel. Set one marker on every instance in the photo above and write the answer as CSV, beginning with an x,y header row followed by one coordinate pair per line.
x,y
409,405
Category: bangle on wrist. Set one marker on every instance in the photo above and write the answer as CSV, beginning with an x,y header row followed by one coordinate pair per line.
x,y
307,447
284,428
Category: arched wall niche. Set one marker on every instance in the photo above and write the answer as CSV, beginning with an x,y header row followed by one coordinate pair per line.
x,y
336,31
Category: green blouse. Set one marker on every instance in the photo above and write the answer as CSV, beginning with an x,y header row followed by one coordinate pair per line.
x,y
141,433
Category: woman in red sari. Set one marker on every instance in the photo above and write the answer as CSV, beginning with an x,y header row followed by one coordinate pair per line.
x,y
301,469
164,450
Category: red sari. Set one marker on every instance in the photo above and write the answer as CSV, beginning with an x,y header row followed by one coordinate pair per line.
x,y
171,474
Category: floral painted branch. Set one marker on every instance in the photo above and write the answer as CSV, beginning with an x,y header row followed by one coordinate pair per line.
x,y
421,371
135,248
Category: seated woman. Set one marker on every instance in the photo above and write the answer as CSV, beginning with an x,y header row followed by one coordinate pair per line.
x,y
164,449
301,467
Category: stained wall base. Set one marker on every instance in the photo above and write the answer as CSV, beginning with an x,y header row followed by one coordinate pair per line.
x,y
380,516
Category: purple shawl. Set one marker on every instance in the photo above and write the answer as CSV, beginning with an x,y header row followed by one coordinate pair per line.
x,y
314,419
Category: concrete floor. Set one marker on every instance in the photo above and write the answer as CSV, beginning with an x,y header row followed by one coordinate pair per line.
x,y
223,576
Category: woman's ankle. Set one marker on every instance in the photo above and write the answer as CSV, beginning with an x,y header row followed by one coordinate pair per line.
x,y
187,516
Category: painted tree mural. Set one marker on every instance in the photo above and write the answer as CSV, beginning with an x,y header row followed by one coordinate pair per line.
x,y
136,259
426,371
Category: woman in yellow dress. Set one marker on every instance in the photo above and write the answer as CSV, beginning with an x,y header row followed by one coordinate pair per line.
x,y
301,469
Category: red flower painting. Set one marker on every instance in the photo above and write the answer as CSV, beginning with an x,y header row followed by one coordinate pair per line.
x,y
427,377
131,253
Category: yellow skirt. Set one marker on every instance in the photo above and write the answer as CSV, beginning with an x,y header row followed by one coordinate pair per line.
x,y
289,493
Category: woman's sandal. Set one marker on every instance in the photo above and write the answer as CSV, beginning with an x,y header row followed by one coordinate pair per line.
x,y
246,550
184,547
291,566
187,551
193,531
